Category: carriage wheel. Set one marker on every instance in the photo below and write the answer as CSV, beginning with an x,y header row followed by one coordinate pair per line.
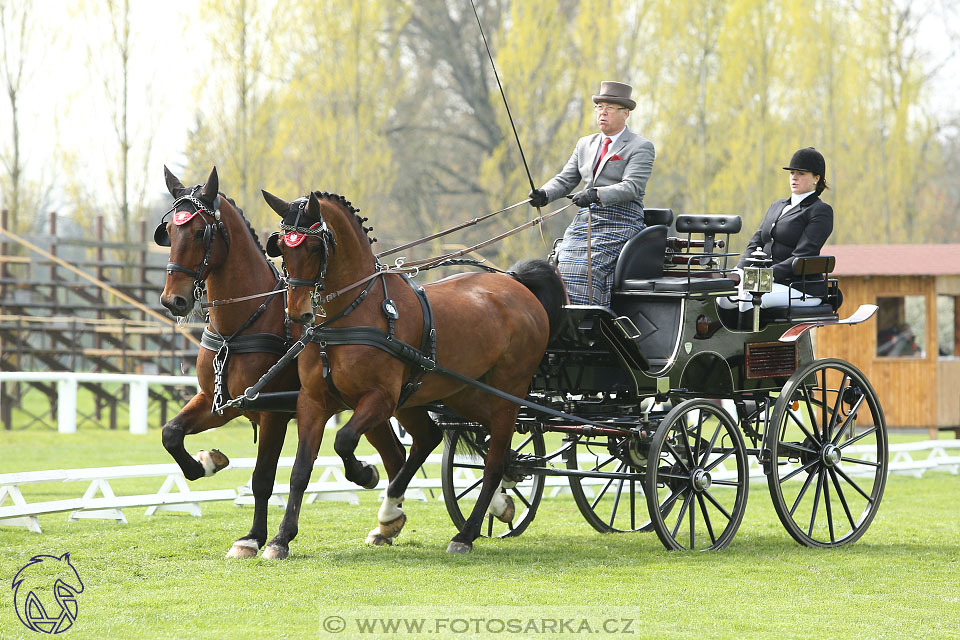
x,y
462,476
608,504
828,438
698,478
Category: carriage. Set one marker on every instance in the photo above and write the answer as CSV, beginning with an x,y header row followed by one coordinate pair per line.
x,y
657,410
676,397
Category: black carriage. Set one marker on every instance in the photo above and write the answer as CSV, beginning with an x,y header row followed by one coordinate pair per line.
x,y
665,401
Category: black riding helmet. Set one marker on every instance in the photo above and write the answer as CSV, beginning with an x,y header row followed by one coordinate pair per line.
x,y
808,159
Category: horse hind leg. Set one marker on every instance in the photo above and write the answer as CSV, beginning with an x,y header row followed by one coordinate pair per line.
x,y
195,417
492,479
273,429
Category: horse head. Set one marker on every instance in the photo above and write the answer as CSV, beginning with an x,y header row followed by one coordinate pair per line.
x,y
312,229
191,228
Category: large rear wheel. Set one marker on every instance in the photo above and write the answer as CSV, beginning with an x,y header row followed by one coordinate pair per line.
x,y
826,454
697,478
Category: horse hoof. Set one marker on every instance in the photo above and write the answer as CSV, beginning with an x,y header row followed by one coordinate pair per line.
x,y
212,461
392,529
374,478
375,539
244,549
459,547
272,552
509,511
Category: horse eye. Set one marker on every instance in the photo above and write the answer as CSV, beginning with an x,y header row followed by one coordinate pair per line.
x,y
198,236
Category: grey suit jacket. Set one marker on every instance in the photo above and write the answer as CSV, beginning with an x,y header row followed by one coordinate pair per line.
x,y
621,177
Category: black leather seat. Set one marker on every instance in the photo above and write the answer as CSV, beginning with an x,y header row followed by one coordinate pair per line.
x,y
641,258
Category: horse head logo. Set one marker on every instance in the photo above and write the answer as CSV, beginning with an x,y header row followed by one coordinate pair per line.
x,y
45,593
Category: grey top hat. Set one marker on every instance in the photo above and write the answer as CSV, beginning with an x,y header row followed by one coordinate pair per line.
x,y
617,93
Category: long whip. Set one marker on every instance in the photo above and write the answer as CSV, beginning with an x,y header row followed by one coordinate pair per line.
x,y
505,104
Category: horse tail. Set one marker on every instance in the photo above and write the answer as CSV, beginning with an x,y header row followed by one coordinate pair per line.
x,y
543,280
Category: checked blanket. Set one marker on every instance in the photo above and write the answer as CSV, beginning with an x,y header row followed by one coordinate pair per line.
x,y
612,225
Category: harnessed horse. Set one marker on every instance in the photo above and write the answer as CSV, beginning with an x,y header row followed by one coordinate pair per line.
x,y
485,326
213,247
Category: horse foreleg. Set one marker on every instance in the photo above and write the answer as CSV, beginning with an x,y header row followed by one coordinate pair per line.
x,y
273,428
312,417
426,436
372,412
195,417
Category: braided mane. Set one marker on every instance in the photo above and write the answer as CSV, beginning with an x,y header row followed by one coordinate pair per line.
x,y
349,207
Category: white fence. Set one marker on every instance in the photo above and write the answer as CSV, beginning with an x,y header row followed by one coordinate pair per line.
x,y
100,501
67,381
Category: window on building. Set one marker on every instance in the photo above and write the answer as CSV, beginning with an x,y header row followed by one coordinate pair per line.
x,y
901,327
948,329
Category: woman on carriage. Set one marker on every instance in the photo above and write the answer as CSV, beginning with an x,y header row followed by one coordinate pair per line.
x,y
614,166
793,227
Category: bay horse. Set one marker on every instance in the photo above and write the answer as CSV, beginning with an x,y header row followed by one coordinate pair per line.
x,y
213,245
487,326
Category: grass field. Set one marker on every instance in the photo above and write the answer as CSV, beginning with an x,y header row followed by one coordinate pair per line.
x,y
166,577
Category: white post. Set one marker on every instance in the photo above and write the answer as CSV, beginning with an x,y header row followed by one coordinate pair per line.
x,y
138,406
67,405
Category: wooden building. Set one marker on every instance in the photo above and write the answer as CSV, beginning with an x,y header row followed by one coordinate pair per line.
x,y
910,351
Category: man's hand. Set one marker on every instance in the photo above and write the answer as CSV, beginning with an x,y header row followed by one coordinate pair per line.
x,y
585,198
538,198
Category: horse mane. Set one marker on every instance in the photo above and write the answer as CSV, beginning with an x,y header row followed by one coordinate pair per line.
x,y
336,198
253,234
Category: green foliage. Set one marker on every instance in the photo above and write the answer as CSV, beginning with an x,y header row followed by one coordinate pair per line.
x,y
395,105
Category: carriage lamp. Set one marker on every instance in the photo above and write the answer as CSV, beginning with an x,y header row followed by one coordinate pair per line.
x,y
758,274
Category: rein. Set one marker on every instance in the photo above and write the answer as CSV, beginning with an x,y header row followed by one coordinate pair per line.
x,y
412,268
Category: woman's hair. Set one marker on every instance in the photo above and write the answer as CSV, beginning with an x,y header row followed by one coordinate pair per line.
x,y
821,186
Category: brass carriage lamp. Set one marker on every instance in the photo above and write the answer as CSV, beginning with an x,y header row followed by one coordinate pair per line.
x,y
758,273
757,280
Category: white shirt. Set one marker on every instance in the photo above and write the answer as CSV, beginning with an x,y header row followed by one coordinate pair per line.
x,y
795,199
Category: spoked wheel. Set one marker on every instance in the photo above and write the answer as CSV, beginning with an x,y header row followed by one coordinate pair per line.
x,y
464,454
615,503
828,441
697,479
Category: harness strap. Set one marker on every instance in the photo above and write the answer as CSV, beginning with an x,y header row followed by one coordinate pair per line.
x,y
250,343
373,337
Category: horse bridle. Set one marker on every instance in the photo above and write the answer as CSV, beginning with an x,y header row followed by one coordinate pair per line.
x,y
211,229
292,236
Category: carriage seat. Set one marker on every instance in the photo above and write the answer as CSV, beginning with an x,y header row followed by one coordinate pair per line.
x,y
641,257
641,263
680,284
812,272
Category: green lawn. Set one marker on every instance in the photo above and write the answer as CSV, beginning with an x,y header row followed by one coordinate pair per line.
x,y
166,577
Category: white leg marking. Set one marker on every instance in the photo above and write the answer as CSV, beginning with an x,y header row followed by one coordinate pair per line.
x,y
209,468
250,544
390,509
498,504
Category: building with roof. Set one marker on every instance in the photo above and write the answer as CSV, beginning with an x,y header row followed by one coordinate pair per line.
x,y
910,351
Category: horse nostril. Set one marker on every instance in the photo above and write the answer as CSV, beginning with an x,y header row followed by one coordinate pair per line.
x,y
306,318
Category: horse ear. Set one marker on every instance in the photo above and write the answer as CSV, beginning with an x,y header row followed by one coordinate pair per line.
x,y
313,206
278,205
174,186
211,187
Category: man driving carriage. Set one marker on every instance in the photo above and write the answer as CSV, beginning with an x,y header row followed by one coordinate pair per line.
x,y
614,166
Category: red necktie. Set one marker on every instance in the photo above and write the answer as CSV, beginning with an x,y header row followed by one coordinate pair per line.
x,y
603,153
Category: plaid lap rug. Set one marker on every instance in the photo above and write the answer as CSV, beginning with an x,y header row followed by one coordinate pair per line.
x,y
612,225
